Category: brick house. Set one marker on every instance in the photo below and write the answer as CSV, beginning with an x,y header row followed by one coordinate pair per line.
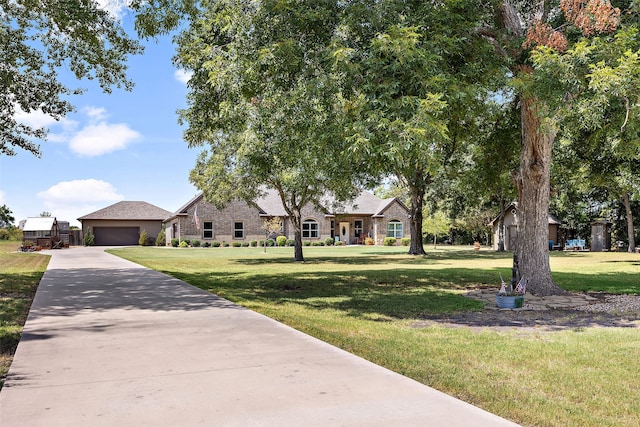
x,y
366,216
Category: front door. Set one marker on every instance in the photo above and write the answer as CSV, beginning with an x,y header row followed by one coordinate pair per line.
x,y
344,232
511,238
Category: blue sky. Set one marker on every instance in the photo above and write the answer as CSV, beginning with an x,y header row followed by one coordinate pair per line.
x,y
118,146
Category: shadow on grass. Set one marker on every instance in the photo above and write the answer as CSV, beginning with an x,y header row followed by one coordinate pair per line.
x,y
612,283
377,258
630,262
393,293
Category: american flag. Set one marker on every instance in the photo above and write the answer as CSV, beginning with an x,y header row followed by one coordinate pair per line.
x,y
522,287
503,287
196,219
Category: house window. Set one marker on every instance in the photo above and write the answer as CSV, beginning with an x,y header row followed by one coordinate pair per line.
x,y
207,230
394,229
238,230
310,229
357,227
333,228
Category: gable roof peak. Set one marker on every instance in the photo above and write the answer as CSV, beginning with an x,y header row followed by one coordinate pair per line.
x,y
129,210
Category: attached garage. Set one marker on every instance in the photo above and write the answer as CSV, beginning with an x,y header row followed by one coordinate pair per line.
x,y
116,236
121,223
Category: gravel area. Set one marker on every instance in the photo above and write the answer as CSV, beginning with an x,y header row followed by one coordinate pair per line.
x,y
620,311
614,304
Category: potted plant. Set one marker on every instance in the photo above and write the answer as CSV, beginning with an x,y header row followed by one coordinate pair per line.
x,y
513,297
27,246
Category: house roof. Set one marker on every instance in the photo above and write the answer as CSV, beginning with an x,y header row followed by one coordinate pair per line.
x,y
183,208
366,204
39,223
269,204
552,218
129,210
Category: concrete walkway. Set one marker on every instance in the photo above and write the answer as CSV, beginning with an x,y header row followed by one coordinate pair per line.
x,y
110,343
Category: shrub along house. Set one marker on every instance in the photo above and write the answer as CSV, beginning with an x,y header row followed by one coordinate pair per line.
x,y
366,216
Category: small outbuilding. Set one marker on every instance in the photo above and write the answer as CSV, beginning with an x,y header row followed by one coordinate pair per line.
x,y
510,229
600,236
121,223
42,231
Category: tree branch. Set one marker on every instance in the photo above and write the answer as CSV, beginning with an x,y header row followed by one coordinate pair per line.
x,y
626,118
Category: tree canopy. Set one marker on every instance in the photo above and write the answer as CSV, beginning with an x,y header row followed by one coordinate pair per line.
x,y
535,41
37,39
299,95
6,217
264,104
419,76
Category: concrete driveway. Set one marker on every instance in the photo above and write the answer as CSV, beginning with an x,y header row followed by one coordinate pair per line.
x,y
111,343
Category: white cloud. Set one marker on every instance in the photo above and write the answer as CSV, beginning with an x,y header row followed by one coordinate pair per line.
x,y
35,119
68,127
182,75
101,138
115,7
85,190
69,200
96,113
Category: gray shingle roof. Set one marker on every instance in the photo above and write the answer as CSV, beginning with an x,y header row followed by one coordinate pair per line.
x,y
269,204
129,211
365,204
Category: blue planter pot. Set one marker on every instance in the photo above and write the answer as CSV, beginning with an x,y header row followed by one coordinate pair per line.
x,y
510,301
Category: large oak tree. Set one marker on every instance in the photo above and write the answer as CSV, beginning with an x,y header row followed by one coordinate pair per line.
x,y
264,102
530,37
420,75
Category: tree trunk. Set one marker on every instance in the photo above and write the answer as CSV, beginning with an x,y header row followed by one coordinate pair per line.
x,y
627,208
296,221
415,222
501,227
532,248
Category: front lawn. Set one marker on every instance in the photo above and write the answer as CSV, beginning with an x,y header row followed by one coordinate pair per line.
x,y
371,301
20,274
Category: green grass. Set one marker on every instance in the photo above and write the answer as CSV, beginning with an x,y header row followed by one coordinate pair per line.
x,y
20,274
368,301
